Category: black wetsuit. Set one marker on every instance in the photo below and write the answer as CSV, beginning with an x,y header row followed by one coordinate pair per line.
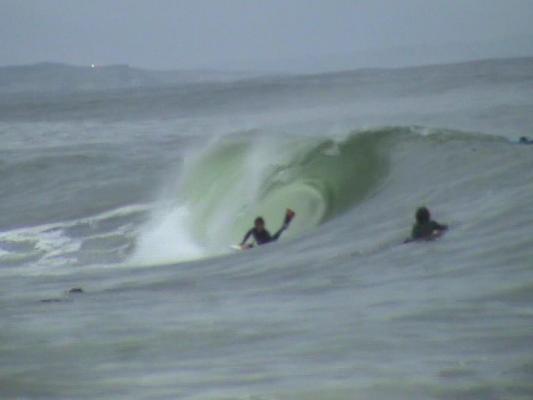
x,y
263,237
426,231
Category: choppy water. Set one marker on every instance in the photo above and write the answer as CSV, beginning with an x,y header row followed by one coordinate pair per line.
x,y
135,197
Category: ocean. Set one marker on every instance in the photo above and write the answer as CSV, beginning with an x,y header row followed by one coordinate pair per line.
x,y
118,209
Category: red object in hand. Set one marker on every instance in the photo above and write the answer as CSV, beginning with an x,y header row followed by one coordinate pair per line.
x,y
289,215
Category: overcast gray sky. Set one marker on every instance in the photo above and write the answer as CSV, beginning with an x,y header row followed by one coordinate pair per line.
x,y
261,34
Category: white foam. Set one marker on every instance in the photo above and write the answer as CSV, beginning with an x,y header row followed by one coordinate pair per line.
x,y
50,244
166,239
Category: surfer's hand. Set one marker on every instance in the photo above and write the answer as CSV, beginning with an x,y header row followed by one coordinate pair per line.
x,y
289,215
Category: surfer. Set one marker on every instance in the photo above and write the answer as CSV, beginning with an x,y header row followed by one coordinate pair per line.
x,y
525,140
425,228
261,235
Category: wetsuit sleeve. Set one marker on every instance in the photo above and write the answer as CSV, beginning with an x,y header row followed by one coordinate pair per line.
x,y
438,227
247,236
278,233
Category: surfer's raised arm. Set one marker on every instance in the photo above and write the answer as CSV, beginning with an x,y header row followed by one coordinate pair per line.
x,y
289,215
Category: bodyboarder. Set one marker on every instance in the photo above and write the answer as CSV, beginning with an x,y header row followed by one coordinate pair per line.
x,y
261,235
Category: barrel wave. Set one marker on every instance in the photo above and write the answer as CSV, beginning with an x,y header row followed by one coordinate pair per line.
x,y
319,178
236,178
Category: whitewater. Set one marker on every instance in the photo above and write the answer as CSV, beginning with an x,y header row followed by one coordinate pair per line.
x,y
118,209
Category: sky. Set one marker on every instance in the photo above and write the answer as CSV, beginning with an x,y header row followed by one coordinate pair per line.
x,y
261,35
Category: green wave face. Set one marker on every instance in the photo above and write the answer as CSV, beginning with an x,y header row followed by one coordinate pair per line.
x,y
239,178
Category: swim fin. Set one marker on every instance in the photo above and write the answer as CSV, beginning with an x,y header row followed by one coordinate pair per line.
x,y
289,215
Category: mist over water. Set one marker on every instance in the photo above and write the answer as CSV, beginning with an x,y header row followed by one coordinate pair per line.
x,y
135,196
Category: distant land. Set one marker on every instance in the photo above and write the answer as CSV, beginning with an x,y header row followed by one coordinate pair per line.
x,y
49,78
57,77
362,90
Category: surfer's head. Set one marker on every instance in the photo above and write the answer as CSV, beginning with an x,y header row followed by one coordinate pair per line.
x,y
259,223
422,215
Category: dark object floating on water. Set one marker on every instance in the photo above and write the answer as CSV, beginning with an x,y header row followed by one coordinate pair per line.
x,y
52,300
76,290
525,140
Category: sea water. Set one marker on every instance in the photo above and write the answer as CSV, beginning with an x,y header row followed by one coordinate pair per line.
x,y
135,197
